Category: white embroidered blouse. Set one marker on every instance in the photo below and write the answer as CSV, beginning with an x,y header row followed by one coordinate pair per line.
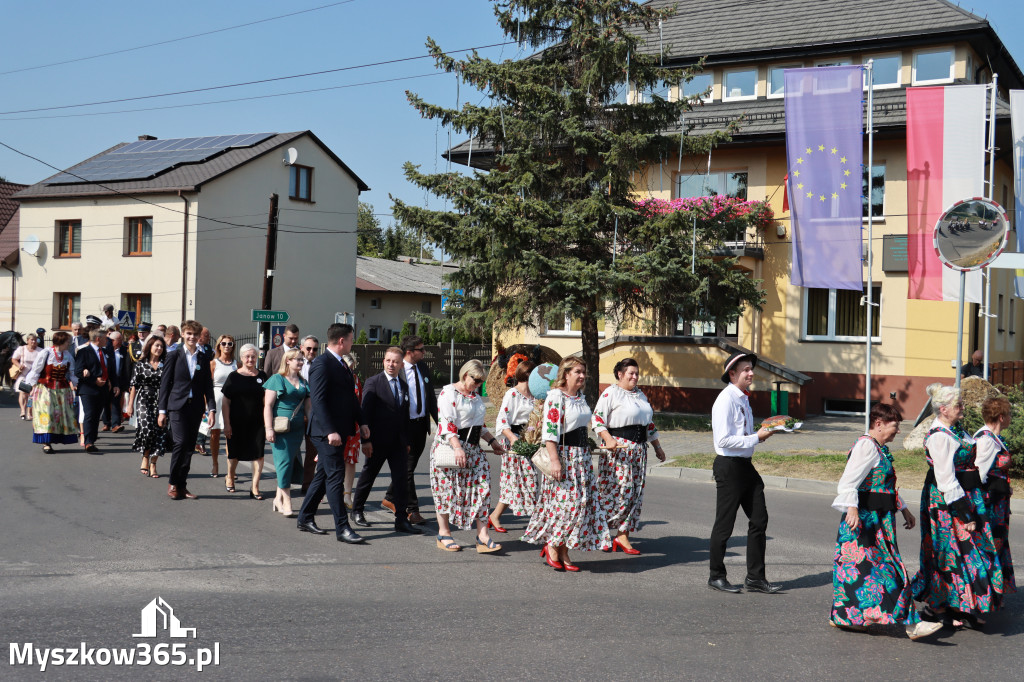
x,y
576,414
618,407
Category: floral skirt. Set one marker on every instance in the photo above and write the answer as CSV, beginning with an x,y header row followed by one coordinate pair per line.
x,y
959,569
568,512
53,415
518,483
621,476
870,584
999,516
463,494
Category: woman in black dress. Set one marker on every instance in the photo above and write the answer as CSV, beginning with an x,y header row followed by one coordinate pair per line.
x,y
243,419
150,439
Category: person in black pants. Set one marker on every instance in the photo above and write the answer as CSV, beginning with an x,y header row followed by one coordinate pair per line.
x,y
386,412
422,408
738,483
185,390
335,415
118,364
95,384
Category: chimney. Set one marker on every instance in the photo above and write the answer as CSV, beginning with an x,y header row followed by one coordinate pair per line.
x,y
147,137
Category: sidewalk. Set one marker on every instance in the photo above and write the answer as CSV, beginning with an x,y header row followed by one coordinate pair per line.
x,y
818,433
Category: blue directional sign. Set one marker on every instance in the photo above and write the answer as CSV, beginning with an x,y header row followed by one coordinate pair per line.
x,y
126,319
446,299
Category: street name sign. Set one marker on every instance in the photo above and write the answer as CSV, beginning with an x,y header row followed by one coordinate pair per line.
x,y
269,316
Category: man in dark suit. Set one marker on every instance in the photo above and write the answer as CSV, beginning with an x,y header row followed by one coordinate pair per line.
x,y
335,415
422,408
185,390
290,341
386,412
95,381
118,365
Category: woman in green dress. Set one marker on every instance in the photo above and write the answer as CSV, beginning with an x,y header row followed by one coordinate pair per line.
x,y
286,395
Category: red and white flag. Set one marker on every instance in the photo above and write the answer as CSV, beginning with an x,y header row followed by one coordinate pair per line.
x,y
945,163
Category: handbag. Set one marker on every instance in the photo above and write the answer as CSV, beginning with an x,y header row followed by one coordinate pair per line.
x,y
541,460
13,372
24,386
283,424
444,456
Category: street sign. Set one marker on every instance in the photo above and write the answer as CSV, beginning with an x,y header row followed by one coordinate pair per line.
x,y
269,316
126,319
345,318
276,336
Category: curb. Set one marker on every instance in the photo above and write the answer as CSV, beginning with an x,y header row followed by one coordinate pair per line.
x,y
911,498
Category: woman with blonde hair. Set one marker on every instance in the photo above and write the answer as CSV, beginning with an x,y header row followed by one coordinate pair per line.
x,y
568,514
960,576
221,366
462,493
993,461
286,394
22,360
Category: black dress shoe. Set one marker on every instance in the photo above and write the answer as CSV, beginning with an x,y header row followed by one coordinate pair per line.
x,y
310,527
349,537
92,449
359,518
723,585
403,526
761,586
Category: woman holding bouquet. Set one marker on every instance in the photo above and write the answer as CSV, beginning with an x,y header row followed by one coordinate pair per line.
x,y
518,483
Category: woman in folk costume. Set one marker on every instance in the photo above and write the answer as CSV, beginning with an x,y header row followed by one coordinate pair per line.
x,y
518,483
53,398
993,461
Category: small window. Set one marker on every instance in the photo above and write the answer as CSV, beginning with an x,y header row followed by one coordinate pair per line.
x,y
300,183
140,304
374,334
69,238
832,62
140,237
1010,324
877,190
660,89
777,79
67,309
739,84
700,85
721,183
563,325
837,314
686,327
375,303
425,307
619,93
887,71
933,66
1000,327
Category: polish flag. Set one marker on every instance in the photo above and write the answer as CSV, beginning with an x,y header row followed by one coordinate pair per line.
x,y
945,164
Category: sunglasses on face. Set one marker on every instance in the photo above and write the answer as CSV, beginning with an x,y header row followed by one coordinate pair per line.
x,y
312,349
227,344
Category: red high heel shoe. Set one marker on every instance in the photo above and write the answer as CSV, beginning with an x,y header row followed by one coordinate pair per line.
x,y
557,565
618,546
497,529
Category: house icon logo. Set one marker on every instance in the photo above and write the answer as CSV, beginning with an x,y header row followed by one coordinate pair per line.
x,y
159,616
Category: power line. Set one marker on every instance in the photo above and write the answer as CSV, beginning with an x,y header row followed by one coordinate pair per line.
x,y
253,82
175,40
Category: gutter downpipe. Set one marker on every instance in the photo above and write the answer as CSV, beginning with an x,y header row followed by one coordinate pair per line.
x,y
184,258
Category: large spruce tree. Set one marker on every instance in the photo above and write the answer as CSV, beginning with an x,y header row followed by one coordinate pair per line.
x,y
553,227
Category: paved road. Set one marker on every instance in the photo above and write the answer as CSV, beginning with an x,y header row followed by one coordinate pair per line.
x,y
86,543
817,433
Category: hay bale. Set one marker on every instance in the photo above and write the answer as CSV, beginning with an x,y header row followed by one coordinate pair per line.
x,y
974,391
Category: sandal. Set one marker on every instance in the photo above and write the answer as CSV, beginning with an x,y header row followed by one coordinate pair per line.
x,y
966,621
48,449
448,546
229,488
487,547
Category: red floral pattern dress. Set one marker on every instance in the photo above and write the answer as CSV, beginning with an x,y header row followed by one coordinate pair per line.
x,y
568,512
463,494
518,483
352,444
622,473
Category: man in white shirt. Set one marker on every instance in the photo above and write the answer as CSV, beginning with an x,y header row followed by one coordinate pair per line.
x,y
310,348
738,483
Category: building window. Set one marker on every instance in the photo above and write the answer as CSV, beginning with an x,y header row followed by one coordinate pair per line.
x,y
375,303
719,183
697,328
373,334
658,89
1010,325
933,66
877,190
887,71
67,309
300,183
832,62
777,79
425,307
139,237
837,314
700,85
558,324
140,304
739,84
1000,327
69,238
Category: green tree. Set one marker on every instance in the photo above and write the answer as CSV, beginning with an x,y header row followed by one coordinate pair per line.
x,y
362,338
401,241
369,235
406,330
553,227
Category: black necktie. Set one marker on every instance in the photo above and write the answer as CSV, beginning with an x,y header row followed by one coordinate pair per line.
x,y
394,391
419,395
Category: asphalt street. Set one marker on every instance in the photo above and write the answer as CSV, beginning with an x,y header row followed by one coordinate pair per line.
x,y
86,543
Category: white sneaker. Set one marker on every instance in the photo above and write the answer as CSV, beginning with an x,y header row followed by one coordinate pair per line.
x,y
922,629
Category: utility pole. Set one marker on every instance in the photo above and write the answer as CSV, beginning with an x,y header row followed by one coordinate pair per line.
x,y
270,262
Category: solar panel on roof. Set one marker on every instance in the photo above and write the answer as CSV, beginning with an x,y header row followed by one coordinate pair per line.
x,y
145,159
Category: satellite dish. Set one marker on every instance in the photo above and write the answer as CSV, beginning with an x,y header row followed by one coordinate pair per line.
x,y
31,245
291,156
970,234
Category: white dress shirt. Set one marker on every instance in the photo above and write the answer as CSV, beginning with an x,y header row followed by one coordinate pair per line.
x,y
732,424
411,376
864,457
988,448
942,447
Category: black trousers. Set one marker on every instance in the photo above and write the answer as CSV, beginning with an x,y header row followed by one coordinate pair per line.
x,y
184,428
329,479
416,437
397,460
308,465
112,410
92,405
739,485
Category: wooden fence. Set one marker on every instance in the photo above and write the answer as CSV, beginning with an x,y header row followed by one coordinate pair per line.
x,y
1010,373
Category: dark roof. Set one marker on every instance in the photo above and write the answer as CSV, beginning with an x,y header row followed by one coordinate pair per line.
x,y
381,274
9,223
187,178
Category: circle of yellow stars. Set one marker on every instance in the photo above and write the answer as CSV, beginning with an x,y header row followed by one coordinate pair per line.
x,y
810,194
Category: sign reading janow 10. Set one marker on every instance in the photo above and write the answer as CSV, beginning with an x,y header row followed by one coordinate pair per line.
x,y
970,234
269,316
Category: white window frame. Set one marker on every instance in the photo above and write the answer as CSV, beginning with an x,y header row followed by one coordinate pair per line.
x,y
769,79
831,336
375,303
717,180
843,61
711,89
899,70
567,330
914,80
726,97
374,333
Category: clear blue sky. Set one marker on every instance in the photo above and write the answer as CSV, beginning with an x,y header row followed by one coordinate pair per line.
x,y
371,127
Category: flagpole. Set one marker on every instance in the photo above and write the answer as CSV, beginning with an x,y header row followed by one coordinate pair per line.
x,y
869,69
989,195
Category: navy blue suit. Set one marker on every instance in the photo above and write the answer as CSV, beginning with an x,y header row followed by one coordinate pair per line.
x,y
332,392
93,396
388,419
118,366
184,397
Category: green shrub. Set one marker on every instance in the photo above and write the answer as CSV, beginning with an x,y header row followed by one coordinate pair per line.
x,y
362,338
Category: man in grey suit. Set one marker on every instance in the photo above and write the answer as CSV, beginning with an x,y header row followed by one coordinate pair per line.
x,y
272,362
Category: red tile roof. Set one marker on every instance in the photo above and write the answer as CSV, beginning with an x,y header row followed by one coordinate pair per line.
x,y
9,223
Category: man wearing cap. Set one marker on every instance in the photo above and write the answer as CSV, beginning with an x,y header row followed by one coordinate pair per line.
x,y
136,344
738,483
